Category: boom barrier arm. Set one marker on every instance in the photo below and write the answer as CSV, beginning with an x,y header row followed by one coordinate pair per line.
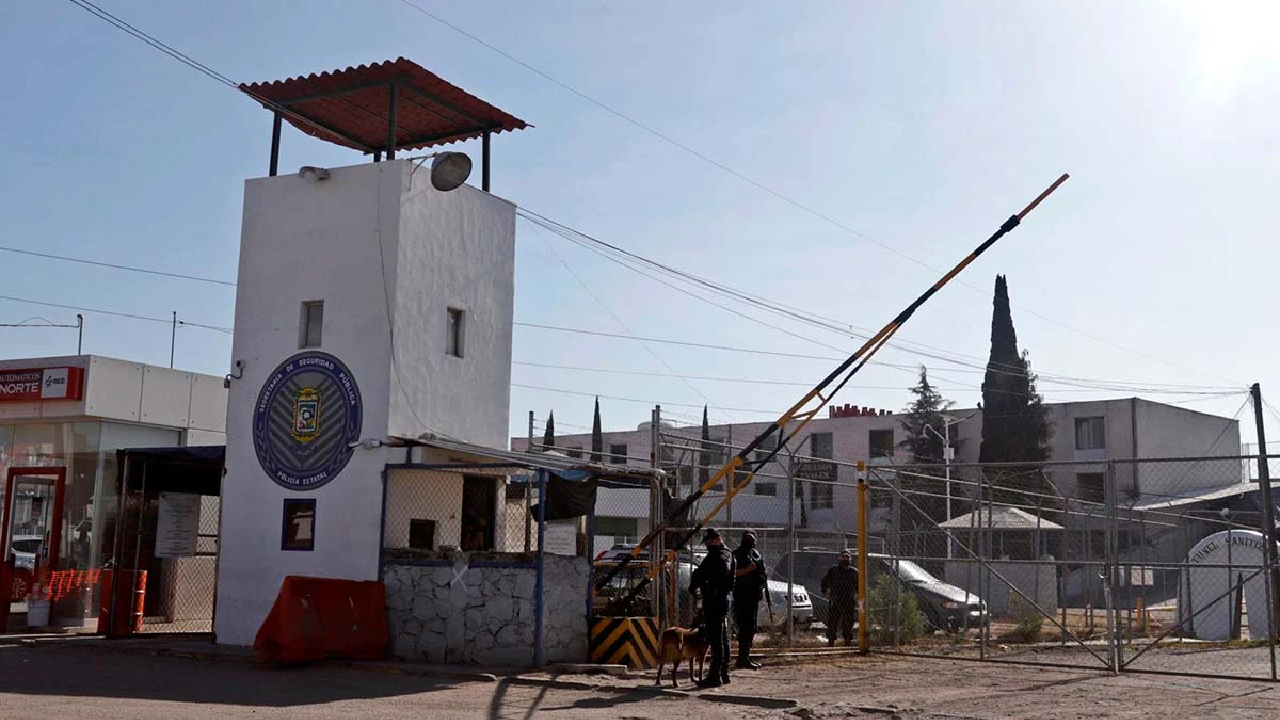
x,y
798,416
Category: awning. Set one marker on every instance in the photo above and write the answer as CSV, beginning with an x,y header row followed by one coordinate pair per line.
x,y
172,469
563,466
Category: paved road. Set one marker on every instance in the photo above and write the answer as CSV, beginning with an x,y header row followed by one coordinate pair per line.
x,y
47,683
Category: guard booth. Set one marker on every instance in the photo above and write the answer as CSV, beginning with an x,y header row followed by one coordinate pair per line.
x,y
633,601
161,574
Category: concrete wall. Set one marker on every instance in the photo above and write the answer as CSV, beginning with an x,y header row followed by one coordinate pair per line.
x,y
305,241
486,615
1037,581
457,249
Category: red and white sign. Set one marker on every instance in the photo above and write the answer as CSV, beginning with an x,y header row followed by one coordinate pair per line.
x,y
35,385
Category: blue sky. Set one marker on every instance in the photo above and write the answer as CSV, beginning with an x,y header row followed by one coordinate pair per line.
x,y
919,125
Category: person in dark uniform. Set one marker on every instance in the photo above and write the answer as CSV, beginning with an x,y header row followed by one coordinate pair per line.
x,y
840,587
749,585
713,580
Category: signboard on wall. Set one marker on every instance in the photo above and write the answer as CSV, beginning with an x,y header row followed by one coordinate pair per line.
x,y
561,538
38,384
177,525
306,421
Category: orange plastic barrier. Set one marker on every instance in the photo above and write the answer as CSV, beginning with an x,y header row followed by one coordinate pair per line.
x,y
63,583
130,601
317,618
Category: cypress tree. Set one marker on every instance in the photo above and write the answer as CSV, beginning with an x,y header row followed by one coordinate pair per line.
x,y
1015,424
597,437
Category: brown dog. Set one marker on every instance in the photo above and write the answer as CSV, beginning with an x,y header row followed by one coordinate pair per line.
x,y
680,644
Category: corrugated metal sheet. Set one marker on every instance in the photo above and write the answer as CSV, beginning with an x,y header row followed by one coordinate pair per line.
x,y
545,461
352,107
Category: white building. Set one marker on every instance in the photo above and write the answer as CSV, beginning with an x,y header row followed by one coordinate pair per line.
x,y
344,284
1085,433
61,421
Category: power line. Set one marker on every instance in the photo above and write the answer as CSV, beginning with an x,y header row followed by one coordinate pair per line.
x,y
117,266
115,313
764,188
783,383
628,260
624,325
1102,385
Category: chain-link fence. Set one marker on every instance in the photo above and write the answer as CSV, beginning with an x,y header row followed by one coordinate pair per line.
x,y
162,574
1137,565
1128,565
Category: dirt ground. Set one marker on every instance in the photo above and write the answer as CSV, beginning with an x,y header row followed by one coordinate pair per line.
x,y
60,682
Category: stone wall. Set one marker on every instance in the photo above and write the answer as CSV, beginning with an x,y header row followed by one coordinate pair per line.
x,y
484,614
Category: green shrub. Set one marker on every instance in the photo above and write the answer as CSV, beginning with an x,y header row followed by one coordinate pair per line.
x,y
1030,623
881,617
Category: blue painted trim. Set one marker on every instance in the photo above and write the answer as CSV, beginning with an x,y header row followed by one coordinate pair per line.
x,y
539,653
456,466
482,564
591,551
382,528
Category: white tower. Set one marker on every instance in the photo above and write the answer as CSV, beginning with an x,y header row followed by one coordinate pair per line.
x,y
369,305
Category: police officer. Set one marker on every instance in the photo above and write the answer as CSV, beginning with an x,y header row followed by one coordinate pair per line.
x,y
840,586
749,584
713,579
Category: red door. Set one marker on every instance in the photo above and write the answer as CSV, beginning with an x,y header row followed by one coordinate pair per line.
x,y
31,531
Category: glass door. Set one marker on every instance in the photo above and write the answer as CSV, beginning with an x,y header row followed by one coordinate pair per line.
x,y
32,526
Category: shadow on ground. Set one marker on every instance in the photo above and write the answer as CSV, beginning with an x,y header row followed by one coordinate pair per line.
x,y
71,672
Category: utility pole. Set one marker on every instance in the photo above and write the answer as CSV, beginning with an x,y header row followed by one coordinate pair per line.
x,y
791,536
173,339
1268,525
79,333
948,454
528,491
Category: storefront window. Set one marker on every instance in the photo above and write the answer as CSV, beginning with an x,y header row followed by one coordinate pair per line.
x,y
38,445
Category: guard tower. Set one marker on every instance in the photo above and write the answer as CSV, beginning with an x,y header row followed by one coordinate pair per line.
x,y
373,301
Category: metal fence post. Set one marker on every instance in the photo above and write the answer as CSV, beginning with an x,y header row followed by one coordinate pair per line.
x,y
528,491
791,548
1268,529
539,652
1112,566
864,643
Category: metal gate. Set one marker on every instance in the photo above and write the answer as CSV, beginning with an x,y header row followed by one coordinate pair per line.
x,y
161,576
1150,566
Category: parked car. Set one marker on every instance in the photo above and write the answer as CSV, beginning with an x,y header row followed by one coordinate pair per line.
x,y
24,549
801,605
945,606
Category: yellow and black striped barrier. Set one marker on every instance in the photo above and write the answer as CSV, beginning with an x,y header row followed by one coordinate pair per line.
x,y
630,641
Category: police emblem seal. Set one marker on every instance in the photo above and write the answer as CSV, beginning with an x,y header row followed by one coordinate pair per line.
x,y
308,414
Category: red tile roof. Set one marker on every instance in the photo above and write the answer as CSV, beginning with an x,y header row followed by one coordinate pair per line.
x,y
351,107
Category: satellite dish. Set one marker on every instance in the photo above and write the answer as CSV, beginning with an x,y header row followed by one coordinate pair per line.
x,y
449,170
